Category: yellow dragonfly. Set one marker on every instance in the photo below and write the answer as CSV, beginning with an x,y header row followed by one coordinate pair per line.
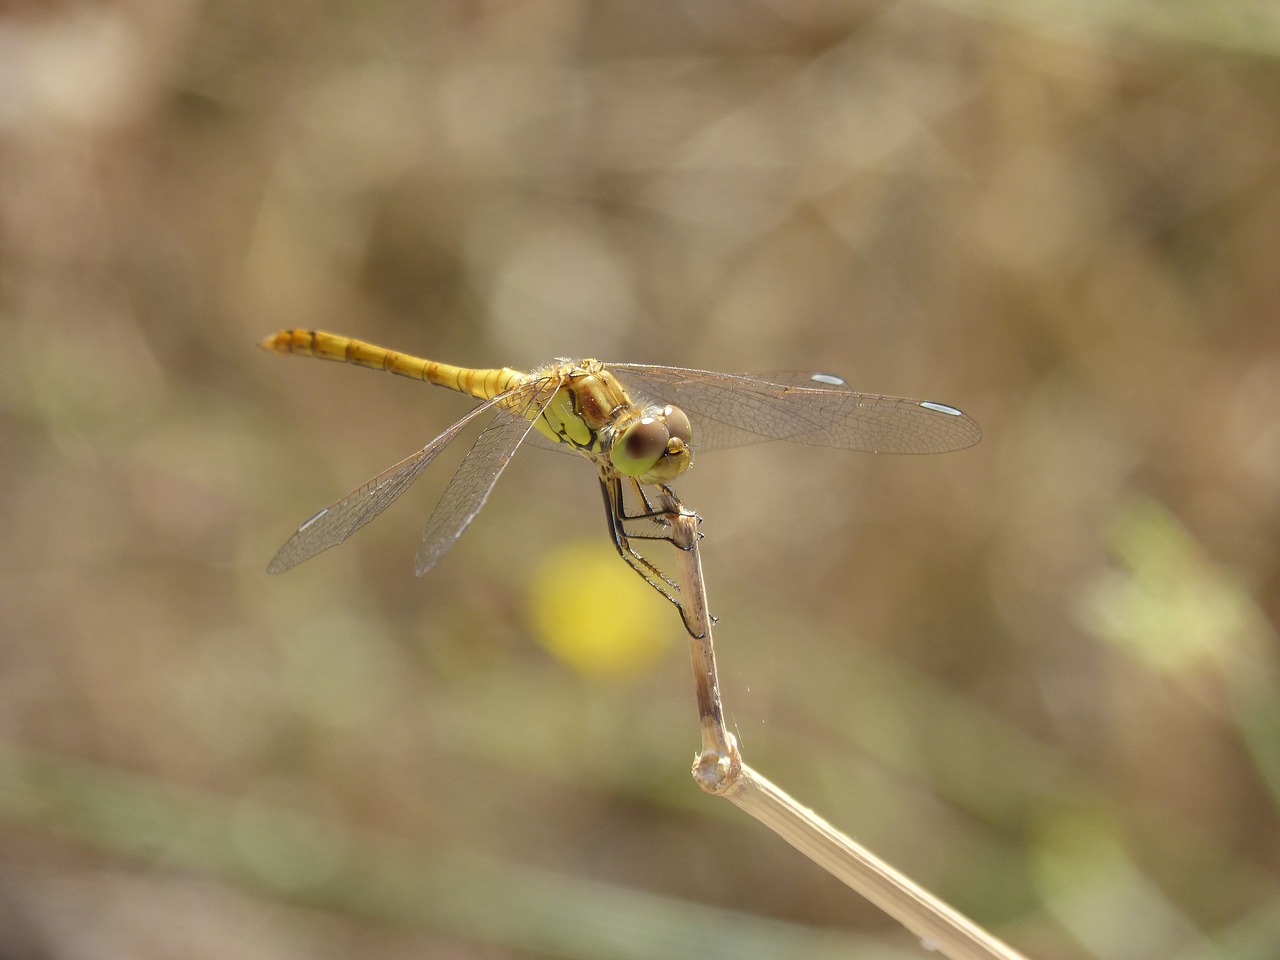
x,y
635,423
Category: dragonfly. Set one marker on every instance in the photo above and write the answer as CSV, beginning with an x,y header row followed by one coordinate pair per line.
x,y
639,425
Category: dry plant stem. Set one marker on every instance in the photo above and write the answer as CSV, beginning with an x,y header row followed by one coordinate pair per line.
x,y
719,758
719,770
938,925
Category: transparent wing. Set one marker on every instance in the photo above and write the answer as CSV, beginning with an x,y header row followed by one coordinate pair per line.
x,y
475,477
336,522
818,410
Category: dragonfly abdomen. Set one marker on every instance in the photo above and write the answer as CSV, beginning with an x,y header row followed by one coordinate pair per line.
x,y
481,384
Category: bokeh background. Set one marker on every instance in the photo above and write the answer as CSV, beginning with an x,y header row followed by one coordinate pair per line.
x,y
1040,675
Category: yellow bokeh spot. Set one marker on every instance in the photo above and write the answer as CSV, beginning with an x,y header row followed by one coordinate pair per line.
x,y
591,611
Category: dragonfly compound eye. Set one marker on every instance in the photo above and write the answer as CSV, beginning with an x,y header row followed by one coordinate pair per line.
x,y
678,453
677,424
639,446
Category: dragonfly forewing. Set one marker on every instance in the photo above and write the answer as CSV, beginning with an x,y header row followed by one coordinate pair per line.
x,y
737,409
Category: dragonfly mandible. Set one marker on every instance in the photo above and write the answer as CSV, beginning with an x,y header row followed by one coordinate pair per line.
x,y
640,425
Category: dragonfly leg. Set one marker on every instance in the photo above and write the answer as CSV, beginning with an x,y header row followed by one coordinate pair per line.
x,y
674,508
660,515
615,510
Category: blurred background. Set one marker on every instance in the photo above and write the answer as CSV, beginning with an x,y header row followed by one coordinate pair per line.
x,y
1040,676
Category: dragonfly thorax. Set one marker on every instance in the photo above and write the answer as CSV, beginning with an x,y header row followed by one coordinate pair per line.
x,y
592,412
587,401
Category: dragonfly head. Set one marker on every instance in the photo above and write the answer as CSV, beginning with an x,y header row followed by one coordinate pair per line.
x,y
655,447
